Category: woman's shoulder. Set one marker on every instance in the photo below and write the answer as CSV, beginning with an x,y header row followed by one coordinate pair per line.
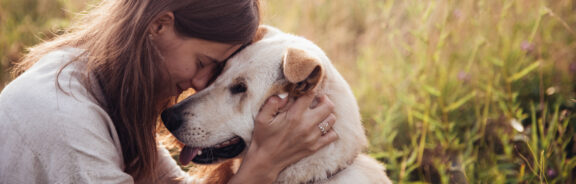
x,y
61,121
47,96
42,83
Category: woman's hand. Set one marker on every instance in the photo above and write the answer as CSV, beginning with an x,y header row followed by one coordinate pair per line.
x,y
283,138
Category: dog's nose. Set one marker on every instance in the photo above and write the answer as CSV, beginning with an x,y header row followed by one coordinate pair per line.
x,y
171,120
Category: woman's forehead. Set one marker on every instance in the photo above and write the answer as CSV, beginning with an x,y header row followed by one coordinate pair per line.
x,y
216,51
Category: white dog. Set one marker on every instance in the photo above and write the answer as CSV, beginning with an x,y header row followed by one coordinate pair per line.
x,y
216,123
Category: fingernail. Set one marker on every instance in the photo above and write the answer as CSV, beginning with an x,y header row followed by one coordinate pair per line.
x,y
283,95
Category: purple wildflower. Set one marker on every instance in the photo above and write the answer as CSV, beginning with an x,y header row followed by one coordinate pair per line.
x,y
457,13
552,173
463,76
572,67
527,46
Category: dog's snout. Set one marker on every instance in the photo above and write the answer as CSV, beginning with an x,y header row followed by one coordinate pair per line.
x,y
171,120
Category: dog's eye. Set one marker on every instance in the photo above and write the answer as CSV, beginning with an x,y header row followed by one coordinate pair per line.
x,y
238,88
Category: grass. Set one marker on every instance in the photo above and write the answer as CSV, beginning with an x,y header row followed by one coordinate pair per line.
x,y
440,83
451,91
25,22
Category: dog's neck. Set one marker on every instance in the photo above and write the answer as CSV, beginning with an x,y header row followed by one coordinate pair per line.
x,y
313,173
330,174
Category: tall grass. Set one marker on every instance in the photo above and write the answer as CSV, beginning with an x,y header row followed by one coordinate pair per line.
x,y
443,83
451,91
25,22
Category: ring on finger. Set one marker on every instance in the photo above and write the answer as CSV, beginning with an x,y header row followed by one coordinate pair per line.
x,y
323,127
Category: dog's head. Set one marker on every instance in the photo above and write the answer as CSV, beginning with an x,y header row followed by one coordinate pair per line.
x,y
217,122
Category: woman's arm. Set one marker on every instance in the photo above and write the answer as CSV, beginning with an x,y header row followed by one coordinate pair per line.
x,y
283,138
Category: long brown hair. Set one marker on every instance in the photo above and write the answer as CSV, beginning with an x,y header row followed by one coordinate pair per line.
x,y
114,35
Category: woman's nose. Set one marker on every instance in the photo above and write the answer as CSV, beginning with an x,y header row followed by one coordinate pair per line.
x,y
203,77
200,83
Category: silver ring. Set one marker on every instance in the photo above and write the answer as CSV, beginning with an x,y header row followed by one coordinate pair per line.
x,y
323,127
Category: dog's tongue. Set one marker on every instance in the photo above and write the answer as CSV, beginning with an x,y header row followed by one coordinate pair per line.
x,y
187,154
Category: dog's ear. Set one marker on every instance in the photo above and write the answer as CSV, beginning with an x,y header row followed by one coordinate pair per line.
x,y
260,33
303,71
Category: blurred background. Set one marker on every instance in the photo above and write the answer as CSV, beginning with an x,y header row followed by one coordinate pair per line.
x,y
450,91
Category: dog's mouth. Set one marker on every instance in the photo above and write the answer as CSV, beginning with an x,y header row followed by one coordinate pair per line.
x,y
224,150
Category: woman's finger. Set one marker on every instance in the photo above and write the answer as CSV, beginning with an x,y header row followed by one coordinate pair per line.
x,y
326,125
322,111
323,141
270,109
324,105
302,104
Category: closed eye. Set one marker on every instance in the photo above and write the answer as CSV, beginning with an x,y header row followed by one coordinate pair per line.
x,y
199,64
238,88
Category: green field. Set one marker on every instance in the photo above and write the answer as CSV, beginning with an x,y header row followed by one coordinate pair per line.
x,y
451,91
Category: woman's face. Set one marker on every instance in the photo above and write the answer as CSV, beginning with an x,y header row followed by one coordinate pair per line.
x,y
189,62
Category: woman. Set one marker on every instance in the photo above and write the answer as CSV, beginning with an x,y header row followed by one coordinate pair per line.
x,y
84,106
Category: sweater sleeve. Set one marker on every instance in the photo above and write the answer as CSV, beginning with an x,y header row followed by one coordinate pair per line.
x,y
53,133
47,146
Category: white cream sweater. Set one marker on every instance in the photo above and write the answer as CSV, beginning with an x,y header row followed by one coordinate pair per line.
x,y
48,136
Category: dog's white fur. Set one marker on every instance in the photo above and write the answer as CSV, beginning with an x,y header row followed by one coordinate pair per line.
x,y
215,114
